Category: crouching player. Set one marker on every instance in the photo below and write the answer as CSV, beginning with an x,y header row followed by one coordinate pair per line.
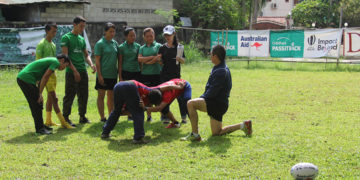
x,y
40,70
215,100
134,96
183,95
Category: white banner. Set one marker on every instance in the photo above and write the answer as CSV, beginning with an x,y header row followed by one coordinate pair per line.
x,y
322,43
253,43
352,42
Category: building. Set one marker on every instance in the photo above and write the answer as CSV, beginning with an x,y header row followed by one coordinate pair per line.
x,y
276,14
135,13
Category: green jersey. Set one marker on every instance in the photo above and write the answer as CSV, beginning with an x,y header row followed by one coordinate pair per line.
x,y
129,54
34,71
45,49
108,52
152,50
76,46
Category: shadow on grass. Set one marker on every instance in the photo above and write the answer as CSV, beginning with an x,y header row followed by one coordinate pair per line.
x,y
216,144
95,129
156,130
33,138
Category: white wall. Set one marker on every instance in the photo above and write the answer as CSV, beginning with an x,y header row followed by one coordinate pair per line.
x,y
134,12
282,10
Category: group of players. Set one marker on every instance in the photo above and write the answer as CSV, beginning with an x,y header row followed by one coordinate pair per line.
x,y
134,78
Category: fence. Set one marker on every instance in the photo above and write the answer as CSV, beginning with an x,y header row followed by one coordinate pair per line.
x,y
17,45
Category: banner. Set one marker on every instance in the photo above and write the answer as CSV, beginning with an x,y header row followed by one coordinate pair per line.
x,y
220,38
243,43
253,43
352,42
287,43
18,45
321,43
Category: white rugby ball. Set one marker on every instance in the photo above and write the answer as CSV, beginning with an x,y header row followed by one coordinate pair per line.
x,y
304,171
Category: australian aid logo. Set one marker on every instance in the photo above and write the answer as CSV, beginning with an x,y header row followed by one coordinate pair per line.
x,y
322,43
352,42
253,43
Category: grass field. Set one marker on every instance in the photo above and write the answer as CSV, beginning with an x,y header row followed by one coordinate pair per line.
x,y
300,113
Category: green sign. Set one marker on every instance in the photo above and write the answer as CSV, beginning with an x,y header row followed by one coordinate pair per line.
x,y
287,43
232,41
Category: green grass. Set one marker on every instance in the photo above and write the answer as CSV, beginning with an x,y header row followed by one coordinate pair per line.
x,y
301,113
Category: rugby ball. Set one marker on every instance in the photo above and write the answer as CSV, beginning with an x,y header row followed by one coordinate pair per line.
x,y
304,171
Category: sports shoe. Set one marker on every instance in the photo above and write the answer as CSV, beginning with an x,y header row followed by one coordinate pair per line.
x,y
149,119
83,120
48,128
173,125
183,121
105,136
129,118
191,137
166,121
43,131
247,128
103,120
139,141
69,121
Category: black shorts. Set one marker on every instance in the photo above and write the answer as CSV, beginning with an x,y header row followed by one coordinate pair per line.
x,y
126,75
108,84
216,110
150,80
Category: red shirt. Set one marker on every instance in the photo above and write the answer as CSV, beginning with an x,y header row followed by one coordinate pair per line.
x,y
143,91
170,95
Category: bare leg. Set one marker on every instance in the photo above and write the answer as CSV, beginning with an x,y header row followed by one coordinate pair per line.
x,y
193,105
110,101
100,102
54,101
218,130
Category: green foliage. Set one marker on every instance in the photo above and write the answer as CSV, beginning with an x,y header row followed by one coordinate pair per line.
x,y
318,11
193,54
169,15
217,14
351,12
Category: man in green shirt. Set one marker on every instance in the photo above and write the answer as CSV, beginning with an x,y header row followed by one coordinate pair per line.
x,y
27,79
76,79
47,48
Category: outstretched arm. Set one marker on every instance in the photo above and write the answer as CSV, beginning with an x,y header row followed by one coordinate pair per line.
x,y
157,108
178,86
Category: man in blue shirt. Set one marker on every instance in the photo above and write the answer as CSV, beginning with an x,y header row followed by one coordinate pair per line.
x,y
215,100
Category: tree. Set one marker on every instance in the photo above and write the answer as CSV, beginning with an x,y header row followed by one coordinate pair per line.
x,y
351,12
214,14
325,13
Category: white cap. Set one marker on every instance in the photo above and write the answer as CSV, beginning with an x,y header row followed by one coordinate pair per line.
x,y
169,30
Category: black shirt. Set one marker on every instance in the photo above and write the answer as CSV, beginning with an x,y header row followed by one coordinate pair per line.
x,y
170,69
219,85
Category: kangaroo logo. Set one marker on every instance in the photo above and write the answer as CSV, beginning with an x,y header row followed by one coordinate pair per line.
x,y
257,45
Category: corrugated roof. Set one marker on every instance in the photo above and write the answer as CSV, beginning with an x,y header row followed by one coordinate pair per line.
x,y
18,2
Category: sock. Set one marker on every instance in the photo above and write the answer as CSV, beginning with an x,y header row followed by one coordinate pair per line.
x,y
48,116
60,116
242,126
